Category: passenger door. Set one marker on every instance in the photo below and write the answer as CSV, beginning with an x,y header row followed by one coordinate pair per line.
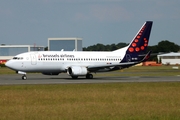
x,y
33,59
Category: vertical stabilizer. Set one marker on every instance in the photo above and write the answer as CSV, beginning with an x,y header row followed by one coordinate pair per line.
x,y
140,41
139,44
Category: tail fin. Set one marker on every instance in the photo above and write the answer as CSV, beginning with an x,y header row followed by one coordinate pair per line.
x,y
140,41
138,46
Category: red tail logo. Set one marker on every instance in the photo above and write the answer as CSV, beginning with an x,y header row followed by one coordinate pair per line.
x,y
140,41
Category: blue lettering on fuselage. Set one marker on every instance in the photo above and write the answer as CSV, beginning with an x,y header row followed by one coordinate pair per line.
x,y
56,55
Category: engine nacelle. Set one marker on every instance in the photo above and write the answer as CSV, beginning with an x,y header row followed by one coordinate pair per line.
x,y
77,70
50,73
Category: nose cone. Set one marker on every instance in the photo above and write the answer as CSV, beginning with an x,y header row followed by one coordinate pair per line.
x,y
7,64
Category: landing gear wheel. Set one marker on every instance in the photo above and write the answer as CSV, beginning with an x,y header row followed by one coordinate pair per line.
x,y
24,77
89,76
74,77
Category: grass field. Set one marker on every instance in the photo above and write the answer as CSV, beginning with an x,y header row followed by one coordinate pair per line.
x,y
125,101
115,101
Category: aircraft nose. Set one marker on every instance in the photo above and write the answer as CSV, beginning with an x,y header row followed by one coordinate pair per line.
x,y
7,64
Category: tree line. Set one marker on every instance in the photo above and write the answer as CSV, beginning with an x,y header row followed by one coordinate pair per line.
x,y
163,46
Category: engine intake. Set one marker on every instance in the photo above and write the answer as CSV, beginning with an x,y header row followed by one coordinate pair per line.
x,y
77,70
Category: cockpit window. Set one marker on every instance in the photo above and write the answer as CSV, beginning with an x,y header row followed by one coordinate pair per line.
x,y
17,58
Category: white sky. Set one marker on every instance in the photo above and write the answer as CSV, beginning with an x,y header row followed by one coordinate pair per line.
x,y
96,21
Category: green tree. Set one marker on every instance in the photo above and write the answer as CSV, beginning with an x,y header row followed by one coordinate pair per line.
x,y
121,45
163,46
167,46
101,47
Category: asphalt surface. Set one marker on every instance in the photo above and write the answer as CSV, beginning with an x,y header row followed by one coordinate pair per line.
x,y
65,79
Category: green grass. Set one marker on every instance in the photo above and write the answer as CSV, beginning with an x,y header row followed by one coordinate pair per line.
x,y
115,101
5,70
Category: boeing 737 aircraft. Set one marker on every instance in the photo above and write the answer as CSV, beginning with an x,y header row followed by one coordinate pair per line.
x,y
83,63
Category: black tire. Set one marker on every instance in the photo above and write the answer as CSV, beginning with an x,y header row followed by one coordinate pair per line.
x,y
24,77
89,76
74,77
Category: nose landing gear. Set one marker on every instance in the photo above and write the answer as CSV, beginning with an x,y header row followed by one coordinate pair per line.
x,y
24,77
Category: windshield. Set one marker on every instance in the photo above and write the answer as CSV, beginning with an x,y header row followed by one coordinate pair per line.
x,y
17,58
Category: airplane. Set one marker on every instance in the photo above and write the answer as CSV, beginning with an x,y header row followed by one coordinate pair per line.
x,y
84,63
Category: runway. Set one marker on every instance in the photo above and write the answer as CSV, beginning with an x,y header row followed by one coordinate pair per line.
x,y
15,79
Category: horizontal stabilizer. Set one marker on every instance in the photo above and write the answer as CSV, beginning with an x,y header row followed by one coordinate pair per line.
x,y
146,57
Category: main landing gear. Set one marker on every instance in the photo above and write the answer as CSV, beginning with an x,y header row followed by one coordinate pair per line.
x,y
88,76
24,77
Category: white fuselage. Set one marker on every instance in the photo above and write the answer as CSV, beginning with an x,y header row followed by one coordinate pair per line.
x,y
59,61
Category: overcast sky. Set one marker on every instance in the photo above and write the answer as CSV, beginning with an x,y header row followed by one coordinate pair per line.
x,y
96,21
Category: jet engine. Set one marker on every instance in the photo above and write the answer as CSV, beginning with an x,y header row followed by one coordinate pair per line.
x,y
77,70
